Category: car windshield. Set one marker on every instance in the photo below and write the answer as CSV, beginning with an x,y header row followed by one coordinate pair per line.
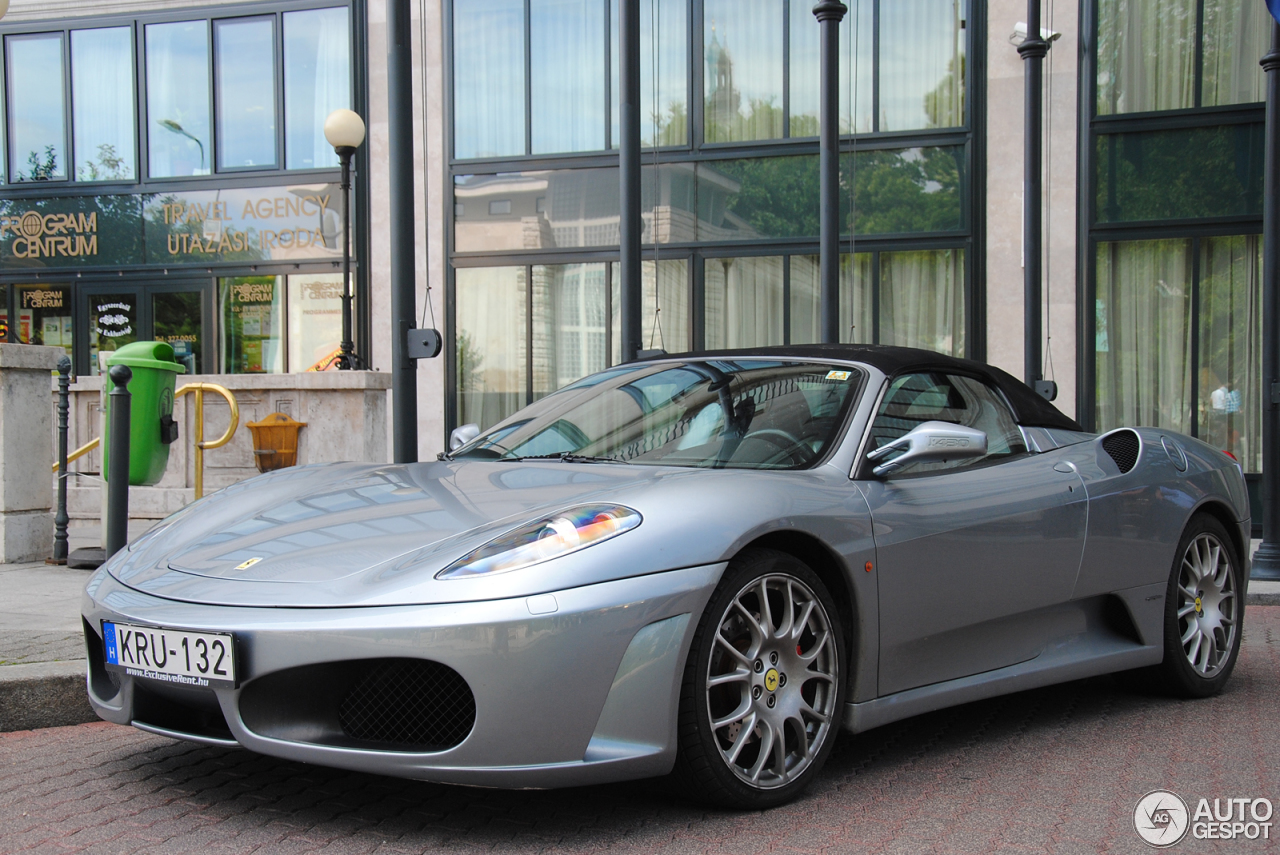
x,y
740,414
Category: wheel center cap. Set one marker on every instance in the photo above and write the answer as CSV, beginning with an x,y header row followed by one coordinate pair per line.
x,y
1198,609
771,680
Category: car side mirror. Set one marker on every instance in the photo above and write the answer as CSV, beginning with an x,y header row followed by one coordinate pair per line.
x,y
463,434
930,442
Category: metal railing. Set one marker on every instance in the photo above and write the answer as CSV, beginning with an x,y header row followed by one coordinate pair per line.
x,y
197,389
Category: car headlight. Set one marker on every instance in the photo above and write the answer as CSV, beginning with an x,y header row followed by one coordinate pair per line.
x,y
544,539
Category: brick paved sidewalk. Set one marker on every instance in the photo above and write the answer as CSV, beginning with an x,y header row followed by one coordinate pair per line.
x,y
1053,770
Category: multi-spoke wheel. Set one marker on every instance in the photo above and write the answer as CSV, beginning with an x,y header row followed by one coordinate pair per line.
x,y
1203,611
763,688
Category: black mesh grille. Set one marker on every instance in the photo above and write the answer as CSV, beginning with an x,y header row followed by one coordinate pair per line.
x,y
409,702
1123,447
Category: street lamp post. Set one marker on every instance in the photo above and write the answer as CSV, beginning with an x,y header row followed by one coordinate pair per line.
x,y
344,129
829,14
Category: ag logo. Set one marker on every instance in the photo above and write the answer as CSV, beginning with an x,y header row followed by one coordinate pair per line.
x,y
1161,818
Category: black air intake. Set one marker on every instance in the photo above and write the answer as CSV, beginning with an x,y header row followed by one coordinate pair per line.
x,y
1123,447
409,702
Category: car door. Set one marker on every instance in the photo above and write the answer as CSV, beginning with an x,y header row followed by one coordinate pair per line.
x,y
969,553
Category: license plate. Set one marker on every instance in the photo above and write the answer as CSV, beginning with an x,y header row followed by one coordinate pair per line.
x,y
171,655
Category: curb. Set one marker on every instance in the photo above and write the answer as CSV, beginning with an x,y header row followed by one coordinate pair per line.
x,y
43,694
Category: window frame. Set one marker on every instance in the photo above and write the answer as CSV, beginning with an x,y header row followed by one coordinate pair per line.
x,y
138,22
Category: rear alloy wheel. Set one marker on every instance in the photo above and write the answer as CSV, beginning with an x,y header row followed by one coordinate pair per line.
x,y
1204,611
763,688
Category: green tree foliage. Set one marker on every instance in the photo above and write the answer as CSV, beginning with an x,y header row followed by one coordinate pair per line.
x,y
109,166
41,170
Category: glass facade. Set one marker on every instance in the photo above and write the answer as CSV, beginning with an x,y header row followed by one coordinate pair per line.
x,y
220,230
1173,294
729,207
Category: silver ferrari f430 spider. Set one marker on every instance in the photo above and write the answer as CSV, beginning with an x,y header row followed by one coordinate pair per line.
x,y
703,565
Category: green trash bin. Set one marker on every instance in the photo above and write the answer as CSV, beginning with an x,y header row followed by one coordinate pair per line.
x,y
151,426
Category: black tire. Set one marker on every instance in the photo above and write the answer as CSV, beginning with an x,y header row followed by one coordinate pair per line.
x,y
807,704
1215,609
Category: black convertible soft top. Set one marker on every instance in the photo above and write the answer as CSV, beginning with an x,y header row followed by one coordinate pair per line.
x,y
1030,409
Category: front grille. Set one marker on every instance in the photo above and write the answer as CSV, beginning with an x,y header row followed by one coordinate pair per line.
x,y
409,702
1123,447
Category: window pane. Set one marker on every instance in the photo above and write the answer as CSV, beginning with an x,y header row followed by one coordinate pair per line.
x,y
759,197
1199,172
905,190
178,99
664,115
37,121
1236,35
922,299
664,307
1230,405
44,316
743,302
315,321
1143,340
569,323
743,74
178,318
922,64
102,97
566,44
4,312
1146,55
488,78
855,79
249,337
856,315
317,81
246,53
492,306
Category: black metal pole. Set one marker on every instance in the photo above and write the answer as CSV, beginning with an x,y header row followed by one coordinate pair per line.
x,y
60,518
118,460
1266,561
629,179
345,361
404,380
829,14
1033,52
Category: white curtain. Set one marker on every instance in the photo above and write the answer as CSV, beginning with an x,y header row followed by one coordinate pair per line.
x,y
743,301
317,81
488,78
922,299
1146,55
1236,35
566,62
102,101
922,64
856,320
742,78
569,321
178,99
1229,405
1144,334
491,317
664,307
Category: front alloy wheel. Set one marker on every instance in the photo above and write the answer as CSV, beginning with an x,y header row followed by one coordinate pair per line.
x,y
764,685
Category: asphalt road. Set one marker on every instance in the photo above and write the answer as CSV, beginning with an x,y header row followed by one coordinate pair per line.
x,y
1053,770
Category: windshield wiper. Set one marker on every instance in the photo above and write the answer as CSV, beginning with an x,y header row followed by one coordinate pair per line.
x,y
565,457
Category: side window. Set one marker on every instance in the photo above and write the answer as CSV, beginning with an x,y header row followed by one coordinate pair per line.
x,y
933,396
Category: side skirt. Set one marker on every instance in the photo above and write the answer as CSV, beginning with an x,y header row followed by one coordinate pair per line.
x,y
1085,655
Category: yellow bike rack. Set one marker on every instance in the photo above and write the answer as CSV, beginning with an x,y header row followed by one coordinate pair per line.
x,y
199,389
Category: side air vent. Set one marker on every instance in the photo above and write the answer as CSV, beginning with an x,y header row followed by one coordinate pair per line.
x,y
409,702
1123,447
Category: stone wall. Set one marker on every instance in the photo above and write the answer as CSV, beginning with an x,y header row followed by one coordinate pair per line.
x,y
345,412
26,449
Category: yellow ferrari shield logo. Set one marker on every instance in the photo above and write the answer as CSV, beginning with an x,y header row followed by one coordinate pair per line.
x,y
771,679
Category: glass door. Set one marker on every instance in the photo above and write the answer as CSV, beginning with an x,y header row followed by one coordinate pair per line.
x,y
174,312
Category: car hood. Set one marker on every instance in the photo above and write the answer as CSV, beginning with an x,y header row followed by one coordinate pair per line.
x,y
360,534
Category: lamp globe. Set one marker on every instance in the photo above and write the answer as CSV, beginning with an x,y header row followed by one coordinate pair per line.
x,y
342,128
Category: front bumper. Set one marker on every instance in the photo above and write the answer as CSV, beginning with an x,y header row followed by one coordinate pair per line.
x,y
583,694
